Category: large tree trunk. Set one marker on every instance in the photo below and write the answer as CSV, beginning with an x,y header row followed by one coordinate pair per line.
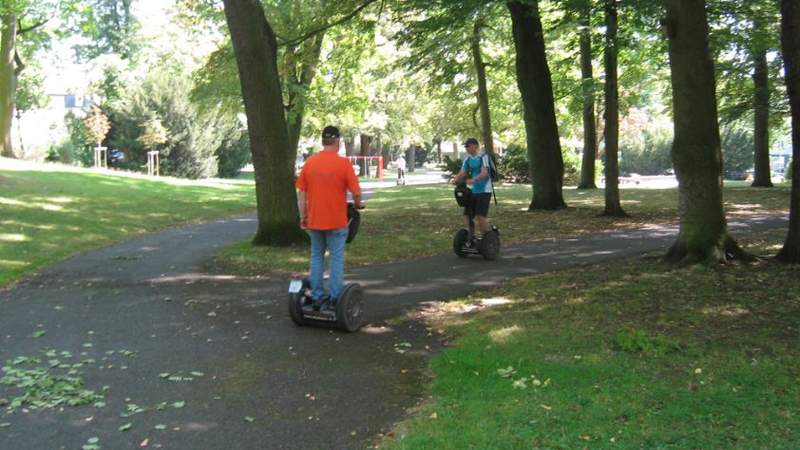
x,y
536,89
302,79
763,175
613,206
790,39
439,150
411,157
8,82
483,92
256,49
696,153
589,128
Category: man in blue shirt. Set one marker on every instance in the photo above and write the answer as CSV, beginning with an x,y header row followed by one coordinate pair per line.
x,y
475,171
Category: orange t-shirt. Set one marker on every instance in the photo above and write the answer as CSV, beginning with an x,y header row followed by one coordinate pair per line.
x,y
326,177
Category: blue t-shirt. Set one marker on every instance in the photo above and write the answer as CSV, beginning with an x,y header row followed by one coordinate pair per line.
x,y
472,166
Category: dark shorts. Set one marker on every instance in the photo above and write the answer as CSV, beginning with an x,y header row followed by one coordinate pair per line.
x,y
479,205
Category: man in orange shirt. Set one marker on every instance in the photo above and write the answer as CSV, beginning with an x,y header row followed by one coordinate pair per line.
x,y
322,200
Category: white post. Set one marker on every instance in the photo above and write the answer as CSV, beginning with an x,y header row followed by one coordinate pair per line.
x,y
100,157
153,163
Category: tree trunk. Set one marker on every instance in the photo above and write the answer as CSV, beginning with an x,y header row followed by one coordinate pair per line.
x,y
536,88
763,174
411,158
483,92
256,49
439,150
790,40
350,146
589,129
613,206
455,151
696,153
8,82
366,141
302,79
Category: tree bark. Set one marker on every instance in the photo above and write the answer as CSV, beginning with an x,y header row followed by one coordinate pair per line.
x,y
302,77
696,153
613,207
411,158
587,86
536,88
439,150
366,142
256,50
763,174
8,82
483,92
790,42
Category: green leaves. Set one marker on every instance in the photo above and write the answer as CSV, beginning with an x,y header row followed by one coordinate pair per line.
x,y
46,386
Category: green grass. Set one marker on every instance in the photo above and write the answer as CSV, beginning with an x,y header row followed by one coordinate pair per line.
x,y
410,222
624,355
46,215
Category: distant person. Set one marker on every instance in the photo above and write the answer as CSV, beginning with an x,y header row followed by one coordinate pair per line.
x,y
475,172
322,200
400,162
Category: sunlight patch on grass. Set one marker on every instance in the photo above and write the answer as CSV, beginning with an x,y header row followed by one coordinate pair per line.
x,y
13,237
11,263
725,310
502,335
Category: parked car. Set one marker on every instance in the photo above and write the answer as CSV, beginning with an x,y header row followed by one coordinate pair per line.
x,y
116,156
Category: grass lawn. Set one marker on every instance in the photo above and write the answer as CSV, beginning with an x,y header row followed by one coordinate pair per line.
x,y
631,354
410,222
48,214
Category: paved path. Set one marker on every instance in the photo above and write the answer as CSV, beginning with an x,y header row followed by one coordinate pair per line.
x,y
304,388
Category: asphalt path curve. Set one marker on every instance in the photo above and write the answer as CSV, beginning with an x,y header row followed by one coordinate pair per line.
x,y
211,360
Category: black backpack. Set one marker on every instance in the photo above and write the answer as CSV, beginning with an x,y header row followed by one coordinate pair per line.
x,y
463,194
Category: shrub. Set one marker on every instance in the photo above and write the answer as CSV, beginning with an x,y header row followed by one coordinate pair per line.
x,y
737,152
514,165
649,155
193,138
514,168
233,155
788,174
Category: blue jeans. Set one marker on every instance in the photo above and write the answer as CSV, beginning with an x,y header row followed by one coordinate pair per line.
x,y
334,241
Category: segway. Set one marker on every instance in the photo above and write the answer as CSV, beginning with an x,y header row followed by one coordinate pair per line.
x,y
346,313
465,242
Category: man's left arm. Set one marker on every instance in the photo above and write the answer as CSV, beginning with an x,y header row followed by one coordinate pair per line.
x,y
302,208
354,187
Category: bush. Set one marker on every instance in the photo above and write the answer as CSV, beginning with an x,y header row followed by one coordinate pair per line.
x,y
788,174
737,152
514,168
76,148
194,138
648,156
514,165
233,155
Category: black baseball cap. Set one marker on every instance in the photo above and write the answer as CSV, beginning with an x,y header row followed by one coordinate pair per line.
x,y
471,141
331,132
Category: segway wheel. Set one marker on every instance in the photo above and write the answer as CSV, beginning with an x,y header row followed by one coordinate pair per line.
x,y
459,241
296,300
490,245
350,308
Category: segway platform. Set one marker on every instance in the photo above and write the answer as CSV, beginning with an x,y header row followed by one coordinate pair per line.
x,y
346,313
488,246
